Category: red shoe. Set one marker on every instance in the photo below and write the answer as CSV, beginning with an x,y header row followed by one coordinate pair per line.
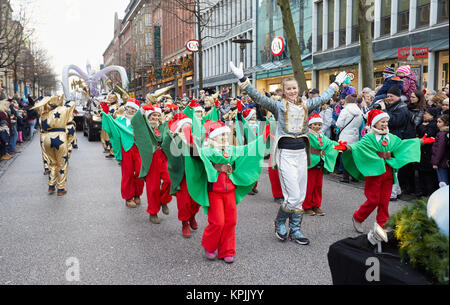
x,y
229,259
193,223
186,230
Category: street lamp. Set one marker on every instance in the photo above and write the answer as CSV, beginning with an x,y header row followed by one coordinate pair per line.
x,y
242,42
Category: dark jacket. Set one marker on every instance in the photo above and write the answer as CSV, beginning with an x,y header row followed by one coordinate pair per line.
x,y
5,117
399,117
426,151
440,150
415,119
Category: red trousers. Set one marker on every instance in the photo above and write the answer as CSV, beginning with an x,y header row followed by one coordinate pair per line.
x,y
131,185
158,193
187,207
378,192
314,189
220,233
274,177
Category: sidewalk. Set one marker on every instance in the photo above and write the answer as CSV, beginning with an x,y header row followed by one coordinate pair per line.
x,y
4,165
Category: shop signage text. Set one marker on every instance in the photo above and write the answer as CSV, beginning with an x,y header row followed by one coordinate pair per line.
x,y
416,52
278,46
192,46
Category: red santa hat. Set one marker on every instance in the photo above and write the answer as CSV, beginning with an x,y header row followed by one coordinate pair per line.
x,y
248,113
213,129
315,118
133,103
149,109
178,121
375,116
195,106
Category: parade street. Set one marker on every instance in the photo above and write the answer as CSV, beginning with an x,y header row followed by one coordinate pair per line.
x,y
42,233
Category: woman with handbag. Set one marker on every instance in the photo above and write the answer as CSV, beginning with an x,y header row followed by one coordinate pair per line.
x,y
349,122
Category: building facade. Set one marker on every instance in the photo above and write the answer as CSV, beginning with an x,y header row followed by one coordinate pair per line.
x,y
329,40
229,20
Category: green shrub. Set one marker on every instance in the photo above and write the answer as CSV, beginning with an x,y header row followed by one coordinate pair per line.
x,y
420,242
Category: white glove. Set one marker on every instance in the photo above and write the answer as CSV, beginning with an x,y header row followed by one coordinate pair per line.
x,y
340,78
239,72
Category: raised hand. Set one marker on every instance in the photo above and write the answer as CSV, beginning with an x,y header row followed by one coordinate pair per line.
x,y
238,72
340,78
239,106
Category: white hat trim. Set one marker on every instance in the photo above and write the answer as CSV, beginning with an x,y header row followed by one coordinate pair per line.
x,y
219,131
181,123
132,105
252,112
379,117
198,109
148,112
315,120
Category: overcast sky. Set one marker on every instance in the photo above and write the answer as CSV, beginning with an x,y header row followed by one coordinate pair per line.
x,y
73,31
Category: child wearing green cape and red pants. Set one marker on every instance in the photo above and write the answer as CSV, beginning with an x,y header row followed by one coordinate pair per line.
x,y
323,158
375,159
218,179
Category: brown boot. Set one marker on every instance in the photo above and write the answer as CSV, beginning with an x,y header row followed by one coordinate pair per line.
x,y
165,209
51,190
186,229
154,219
62,193
319,211
137,200
6,157
131,204
193,223
309,212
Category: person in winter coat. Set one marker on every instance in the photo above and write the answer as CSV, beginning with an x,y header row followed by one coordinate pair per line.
x,y
390,80
427,175
349,122
416,107
327,116
439,156
348,89
409,80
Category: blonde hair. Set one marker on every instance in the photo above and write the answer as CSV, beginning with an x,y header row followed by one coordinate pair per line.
x,y
3,107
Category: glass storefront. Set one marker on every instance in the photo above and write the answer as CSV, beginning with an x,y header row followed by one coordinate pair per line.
x,y
270,25
273,83
443,69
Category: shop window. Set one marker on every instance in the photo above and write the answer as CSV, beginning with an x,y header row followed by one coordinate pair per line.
x,y
385,20
330,37
319,25
403,16
442,11
342,22
423,13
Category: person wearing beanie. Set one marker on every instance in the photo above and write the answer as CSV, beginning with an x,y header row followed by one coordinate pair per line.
x,y
375,159
427,175
409,80
218,180
390,80
323,157
347,88
349,122
120,132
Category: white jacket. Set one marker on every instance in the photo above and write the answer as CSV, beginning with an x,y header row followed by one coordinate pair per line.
x,y
350,134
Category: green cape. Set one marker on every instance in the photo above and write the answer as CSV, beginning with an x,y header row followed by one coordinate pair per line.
x,y
247,164
120,135
331,154
363,160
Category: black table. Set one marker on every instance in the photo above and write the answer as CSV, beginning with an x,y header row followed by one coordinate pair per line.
x,y
347,260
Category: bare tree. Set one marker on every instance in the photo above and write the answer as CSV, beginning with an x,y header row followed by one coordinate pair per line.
x,y
198,13
292,43
365,18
